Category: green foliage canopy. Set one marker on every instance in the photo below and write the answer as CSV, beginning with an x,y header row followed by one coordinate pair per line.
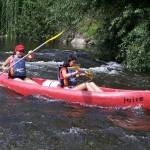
x,y
126,38
121,27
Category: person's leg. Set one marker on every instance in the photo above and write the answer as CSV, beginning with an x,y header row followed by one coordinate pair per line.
x,y
29,81
18,79
89,87
25,80
83,86
80,87
95,87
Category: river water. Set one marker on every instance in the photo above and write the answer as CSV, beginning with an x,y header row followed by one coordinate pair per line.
x,y
40,123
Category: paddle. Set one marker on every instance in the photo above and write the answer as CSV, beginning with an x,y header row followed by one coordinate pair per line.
x,y
89,73
56,36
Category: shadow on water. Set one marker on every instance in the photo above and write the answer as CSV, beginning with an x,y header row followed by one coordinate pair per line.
x,y
10,93
131,120
37,122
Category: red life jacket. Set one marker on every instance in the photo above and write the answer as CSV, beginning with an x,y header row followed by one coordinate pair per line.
x,y
69,81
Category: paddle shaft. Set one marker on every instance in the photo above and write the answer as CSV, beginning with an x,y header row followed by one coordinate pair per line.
x,y
34,50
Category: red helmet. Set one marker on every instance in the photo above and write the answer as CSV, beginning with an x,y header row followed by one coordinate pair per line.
x,y
19,48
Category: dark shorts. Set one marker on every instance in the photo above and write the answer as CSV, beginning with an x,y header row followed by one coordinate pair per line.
x,y
20,77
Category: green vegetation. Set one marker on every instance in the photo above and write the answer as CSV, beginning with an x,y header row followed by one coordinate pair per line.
x,y
121,27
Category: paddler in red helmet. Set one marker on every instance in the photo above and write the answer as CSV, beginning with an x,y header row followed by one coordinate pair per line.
x,y
18,70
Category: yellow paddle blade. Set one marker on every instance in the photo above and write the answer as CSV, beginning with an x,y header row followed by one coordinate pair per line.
x,y
90,74
54,37
75,67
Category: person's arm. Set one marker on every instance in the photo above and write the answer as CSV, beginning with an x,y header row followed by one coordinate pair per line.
x,y
81,73
68,75
30,56
6,63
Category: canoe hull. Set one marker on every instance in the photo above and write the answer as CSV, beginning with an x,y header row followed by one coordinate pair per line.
x,y
109,98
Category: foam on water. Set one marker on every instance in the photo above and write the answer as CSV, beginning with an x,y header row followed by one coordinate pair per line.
x,y
74,130
109,68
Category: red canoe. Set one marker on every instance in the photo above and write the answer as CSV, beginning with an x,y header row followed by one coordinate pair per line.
x,y
109,98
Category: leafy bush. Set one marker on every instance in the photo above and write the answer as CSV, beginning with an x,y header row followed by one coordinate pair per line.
x,y
122,34
126,38
135,39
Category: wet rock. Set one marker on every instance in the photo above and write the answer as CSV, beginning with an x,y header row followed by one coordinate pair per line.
x,y
80,41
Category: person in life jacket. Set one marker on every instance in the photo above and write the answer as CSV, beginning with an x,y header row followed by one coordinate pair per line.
x,y
18,71
68,77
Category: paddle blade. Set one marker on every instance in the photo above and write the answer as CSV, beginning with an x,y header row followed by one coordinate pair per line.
x,y
75,67
56,36
90,74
